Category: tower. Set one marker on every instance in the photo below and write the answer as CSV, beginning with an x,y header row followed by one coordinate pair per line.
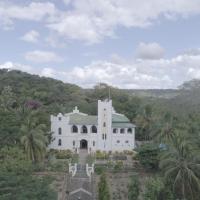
x,y
105,125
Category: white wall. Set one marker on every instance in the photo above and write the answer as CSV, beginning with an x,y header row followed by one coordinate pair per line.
x,y
108,144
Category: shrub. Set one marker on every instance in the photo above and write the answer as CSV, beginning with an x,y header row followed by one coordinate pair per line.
x,y
99,169
148,156
155,189
103,190
101,155
133,188
118,166
63,154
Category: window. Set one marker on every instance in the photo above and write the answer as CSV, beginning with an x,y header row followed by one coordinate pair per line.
x,y
103,136
60,131
59,142
129,130
93,143
74,143
74,129
94,129
122,130
115,130
59,118
118,141
84,129
126,141
104,124
104,109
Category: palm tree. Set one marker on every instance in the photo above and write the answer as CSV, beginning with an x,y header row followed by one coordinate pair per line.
x,y
182,168
165,129
34,139
145,123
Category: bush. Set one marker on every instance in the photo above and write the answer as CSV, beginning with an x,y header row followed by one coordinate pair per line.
x,y
127,152
120,157
101,155
21,187
148,156
58,166
118,166
61,154
133,188
155,189
99,169
103,190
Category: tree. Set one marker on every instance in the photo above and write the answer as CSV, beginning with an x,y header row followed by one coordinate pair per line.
x,y
7,98
103,190
145,123
165,128
133,188
25,187
148,155
34,139
181,166
155,189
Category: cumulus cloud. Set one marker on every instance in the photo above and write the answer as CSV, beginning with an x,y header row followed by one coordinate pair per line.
x,y
67,2
11,66
91,21
149,51
31,36
140,73
42,56
48,72
35,11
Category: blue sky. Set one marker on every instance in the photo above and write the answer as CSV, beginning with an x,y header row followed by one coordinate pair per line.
x,y
125,43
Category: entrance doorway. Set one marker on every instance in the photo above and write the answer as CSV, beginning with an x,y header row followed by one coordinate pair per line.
x,y
83,144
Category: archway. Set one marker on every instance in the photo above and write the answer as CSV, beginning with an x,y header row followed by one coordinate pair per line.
x,y
83,144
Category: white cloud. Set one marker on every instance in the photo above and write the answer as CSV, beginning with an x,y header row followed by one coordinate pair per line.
x,y
149,51
91,21
140,73
42,56
145,74
11,66
34,11
67,2
48,72
31,36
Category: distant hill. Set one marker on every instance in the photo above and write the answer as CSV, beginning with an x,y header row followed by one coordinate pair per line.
x,y
157,93
57,96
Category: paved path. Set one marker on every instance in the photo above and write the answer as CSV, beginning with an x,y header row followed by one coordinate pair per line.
x,y
83,156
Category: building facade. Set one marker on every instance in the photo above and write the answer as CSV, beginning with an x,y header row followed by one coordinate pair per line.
x,y
108,131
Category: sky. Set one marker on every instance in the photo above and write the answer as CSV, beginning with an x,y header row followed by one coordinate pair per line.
x,y
131,44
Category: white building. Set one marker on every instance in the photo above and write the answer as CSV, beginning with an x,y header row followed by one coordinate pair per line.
x,y
108,131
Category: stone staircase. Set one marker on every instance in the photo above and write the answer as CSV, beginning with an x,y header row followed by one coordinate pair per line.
x,y
80,181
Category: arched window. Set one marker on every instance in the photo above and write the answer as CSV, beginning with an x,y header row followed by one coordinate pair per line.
x,y
129,130
59,131
74,129
84,129
94,129
122,130
115,130
104,124
59,142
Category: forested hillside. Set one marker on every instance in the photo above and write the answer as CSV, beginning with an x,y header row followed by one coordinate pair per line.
x,y
26,102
